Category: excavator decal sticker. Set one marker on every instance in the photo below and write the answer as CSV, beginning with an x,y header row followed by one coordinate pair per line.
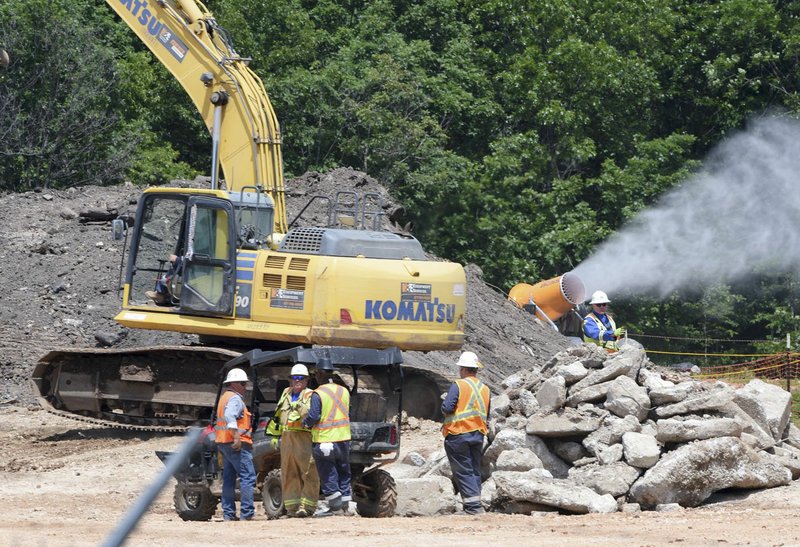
x,y
286,298
245,262
244,293
245,265
408,310
415,292
147,19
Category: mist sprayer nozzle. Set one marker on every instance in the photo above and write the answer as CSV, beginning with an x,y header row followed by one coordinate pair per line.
x,y
553,297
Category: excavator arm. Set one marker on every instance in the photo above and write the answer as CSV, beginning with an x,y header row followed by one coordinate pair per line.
x,y
230,97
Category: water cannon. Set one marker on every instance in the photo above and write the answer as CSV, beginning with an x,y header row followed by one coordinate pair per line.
x,y
550,299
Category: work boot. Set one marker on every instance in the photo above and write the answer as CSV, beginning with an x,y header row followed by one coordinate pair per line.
x,y
301,513
328,513
349,509
157,297
329,509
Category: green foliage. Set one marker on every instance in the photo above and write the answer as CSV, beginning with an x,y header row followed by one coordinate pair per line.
x,y
58,126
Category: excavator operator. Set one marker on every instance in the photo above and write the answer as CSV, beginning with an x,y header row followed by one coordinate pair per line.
x,y
164,295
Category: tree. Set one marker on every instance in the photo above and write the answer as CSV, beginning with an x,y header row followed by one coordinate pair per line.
x,y
58,127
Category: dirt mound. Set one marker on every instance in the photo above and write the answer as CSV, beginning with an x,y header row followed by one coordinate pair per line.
x,y
60,272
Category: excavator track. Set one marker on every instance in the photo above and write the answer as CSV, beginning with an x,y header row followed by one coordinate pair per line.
x,y
167,388
154,388
117,425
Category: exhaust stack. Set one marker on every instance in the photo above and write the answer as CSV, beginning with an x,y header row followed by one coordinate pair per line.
x,y
551,298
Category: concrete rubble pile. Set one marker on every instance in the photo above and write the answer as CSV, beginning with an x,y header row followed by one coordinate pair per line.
x,y
596,433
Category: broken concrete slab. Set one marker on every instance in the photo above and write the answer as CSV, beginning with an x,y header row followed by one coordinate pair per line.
x,y
687,429
769,405
566,422
615,479
627,398
425,496
531,487
640,450
692,472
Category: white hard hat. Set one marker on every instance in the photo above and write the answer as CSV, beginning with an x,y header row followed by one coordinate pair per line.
x,y
236,375
299,370
599,297
469,360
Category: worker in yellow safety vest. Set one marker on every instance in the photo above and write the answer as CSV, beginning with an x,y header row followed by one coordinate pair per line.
x,y
466,411
598,325
299,477
329,420
234,439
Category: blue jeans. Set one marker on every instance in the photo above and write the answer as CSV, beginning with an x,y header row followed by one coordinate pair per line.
x,y
334,473
237,464
464,454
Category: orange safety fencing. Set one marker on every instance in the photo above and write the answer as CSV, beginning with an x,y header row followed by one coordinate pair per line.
x,y
774,367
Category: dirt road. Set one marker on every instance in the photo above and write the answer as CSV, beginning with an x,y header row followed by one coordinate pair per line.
x,y
69,483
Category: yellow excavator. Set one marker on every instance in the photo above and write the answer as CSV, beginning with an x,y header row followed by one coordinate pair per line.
x,y
221,262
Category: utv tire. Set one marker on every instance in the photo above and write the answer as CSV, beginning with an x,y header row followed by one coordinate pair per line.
x,y
194,502
375,494
272,495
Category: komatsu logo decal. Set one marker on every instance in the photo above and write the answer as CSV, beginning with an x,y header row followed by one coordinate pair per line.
x,y
407,310
154,27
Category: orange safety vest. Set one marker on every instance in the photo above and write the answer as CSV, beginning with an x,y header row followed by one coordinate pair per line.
x,y
472,408
291,413
225,435
334,423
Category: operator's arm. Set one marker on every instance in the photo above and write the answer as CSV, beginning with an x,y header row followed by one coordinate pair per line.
x,y
450,402
590,329
314,412
234,410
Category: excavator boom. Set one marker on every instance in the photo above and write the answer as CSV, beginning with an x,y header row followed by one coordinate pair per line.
x,y
188,41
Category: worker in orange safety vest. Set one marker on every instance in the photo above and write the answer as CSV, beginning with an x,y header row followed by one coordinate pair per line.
x,y
466,411
235,442
329,418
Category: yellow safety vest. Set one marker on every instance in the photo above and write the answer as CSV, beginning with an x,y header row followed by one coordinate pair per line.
x,y
472,409
291,413
225,435
610,345
334,423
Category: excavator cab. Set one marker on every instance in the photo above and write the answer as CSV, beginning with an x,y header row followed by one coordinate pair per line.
x,y
255,218
200,229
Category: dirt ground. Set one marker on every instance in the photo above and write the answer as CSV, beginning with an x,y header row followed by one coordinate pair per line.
x,y
69,483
